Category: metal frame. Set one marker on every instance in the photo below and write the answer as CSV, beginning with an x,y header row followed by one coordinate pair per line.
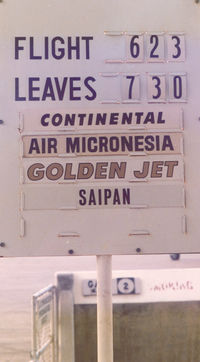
x,y
38,351
65,308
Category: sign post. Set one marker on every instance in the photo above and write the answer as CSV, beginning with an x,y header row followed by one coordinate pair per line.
x,y
104,309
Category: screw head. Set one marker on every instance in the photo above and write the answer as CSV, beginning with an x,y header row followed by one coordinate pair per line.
x,y
138,250
71,251
2,244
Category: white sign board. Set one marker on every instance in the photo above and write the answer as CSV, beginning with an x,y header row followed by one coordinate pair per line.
x,y
99,130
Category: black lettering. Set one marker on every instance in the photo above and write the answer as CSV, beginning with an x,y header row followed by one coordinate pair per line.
x,y
149,118
17,46
17,96
34,146
139,142
114,118
45,123
92,200
48,90
81,118
114,144
83,200
75,48
52,145
127,118
73,89
167,143
101,119
83,144
46,47
149,141
160,115
157,143
127,143
33,89
177,46
57,119
107,195
90,118
90,88
61,52
72,145
154,39
116,198
92,140
32,56
126,196
61,89
70,120
43,145
100,196
103,144
87,45
138,117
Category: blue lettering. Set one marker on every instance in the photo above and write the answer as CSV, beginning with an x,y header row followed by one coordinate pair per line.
x,y
72,89
87,45
32,56
88,86
17,46
75,48
17,97
44,117
34,146
61,89
48,90
83,200
33,89
61,51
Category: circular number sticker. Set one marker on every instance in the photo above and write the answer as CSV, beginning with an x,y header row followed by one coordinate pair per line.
x,y
126,285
